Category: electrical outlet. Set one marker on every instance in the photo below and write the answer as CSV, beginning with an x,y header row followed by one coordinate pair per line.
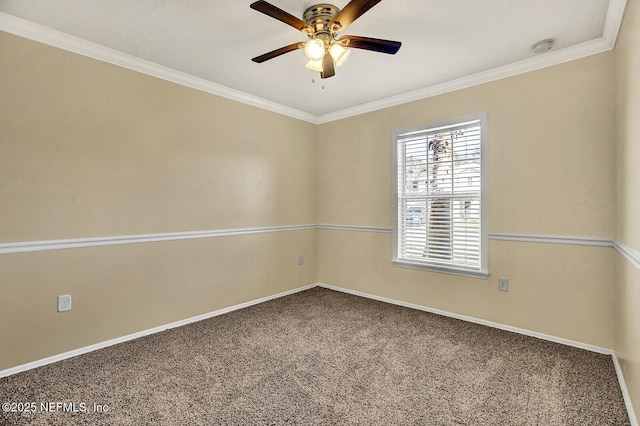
x,y
64,303
300,260
503,284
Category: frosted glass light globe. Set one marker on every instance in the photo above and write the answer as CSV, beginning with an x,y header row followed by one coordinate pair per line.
x,y
339,53
314,49
314,65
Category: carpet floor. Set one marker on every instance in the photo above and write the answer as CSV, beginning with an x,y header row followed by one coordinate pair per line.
x,y
323,357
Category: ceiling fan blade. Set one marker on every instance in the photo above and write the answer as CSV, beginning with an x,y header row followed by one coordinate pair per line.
x,y
282,16
278,52
328,69
352,11
368,43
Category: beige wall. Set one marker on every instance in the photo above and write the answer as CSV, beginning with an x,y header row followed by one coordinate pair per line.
x,y
551,155
627,337
566,297
88,149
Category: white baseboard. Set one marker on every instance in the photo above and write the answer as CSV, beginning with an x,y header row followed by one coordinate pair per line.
x,y
95,347
580,345
91,348
473,320
625,392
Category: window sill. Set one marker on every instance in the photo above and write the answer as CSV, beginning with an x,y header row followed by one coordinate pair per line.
x,y
441,269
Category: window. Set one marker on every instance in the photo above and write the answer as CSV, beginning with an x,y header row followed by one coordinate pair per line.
x,y
440,197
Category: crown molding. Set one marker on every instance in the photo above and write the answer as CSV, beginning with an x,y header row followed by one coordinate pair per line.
x,y
530,64
613,21
30,30
51,37
607,42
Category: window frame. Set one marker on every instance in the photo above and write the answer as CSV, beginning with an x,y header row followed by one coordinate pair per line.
x,y
482,271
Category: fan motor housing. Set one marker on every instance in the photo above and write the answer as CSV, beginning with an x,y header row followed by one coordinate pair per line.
x,y
319,16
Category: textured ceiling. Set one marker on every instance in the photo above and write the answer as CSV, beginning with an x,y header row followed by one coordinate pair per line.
x,y
442,40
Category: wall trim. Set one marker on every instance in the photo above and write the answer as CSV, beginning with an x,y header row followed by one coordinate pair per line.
x,y
30,30
551,58
355,228
28,246
613,21
128,337
525,238
552,239
625,391
51,37
631,255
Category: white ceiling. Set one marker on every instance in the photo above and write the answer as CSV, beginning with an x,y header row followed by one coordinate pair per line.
x,y
443,41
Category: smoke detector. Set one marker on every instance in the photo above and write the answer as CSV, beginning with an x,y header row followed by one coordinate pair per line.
x,y
543,45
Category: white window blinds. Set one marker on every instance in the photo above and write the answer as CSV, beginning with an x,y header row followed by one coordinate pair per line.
x,y
439,197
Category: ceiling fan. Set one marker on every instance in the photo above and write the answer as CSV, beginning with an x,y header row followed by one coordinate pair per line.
x,y
322,24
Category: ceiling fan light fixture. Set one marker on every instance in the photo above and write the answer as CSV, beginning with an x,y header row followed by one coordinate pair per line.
x,y
315,65
314,49
339,53
322,24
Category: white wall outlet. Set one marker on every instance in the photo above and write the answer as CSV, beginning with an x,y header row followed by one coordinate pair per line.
x,y
300,260
503,284
64,303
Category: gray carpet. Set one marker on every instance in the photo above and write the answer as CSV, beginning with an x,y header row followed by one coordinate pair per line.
x,y
323,357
